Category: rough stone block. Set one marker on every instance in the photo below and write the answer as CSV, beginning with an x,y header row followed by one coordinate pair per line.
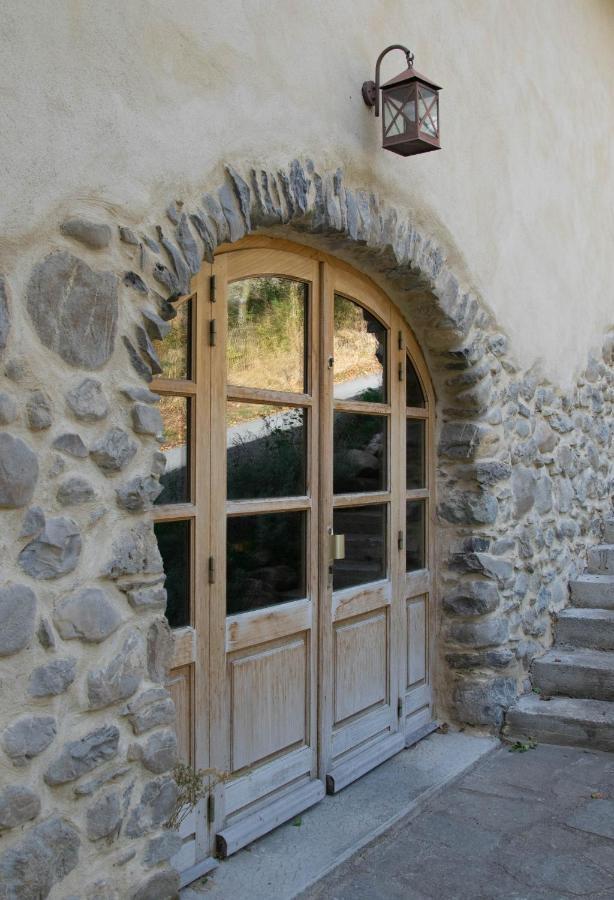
x,y
87,614
55,552
472,598
74,309
53,678
139,493
147,420
18,804
481,633
469,508
27,737
121,677
48,852
93,234
113,451
8,409
17,618
484,702
150,709
71,444
103,819
157,802
87,401
161,886
135,553
81,756
75,490
38,411
18,471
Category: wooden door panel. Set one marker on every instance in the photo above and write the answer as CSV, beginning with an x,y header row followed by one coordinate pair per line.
x,y
360,665
180,686
417,641
358,731
354,602
269,702
269,624
266,778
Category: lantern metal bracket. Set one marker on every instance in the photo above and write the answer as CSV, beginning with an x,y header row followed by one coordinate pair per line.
x,y
370,89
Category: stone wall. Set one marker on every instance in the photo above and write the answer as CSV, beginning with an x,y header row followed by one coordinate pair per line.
x,y
524,477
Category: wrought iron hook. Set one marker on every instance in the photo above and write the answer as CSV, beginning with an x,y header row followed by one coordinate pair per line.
x,y
370,89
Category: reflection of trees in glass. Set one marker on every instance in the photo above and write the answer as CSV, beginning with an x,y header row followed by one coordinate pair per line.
x,y
359,453
414,535
174,480
414,465
174,350
173,542
359,345
266,333
265,560
271,465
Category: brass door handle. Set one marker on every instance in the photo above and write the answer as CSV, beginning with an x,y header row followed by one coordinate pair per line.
x,y
337,546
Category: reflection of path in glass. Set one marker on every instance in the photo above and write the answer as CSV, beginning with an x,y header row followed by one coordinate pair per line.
x,y
354,389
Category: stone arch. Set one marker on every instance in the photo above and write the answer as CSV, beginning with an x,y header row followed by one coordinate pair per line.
x,y
495,424
467,361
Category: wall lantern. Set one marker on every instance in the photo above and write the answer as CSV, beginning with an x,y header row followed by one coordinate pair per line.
x,y
410,121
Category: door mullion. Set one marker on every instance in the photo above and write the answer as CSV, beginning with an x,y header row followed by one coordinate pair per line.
x,y
325,455
215,437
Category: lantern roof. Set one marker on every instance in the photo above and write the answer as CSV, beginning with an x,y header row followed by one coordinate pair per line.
x,y
410,75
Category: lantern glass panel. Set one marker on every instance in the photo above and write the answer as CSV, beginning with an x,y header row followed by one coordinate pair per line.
x,y
428,111
399,110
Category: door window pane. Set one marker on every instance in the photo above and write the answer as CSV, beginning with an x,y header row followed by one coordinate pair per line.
x,y
265,451
364,528
175,479
174,351
359,453
266,333
359,353
415,535
174,544
415,454
413,388
265,560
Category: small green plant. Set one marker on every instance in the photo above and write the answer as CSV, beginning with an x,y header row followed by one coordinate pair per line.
x,y
536,690
193,785
297,821
523,746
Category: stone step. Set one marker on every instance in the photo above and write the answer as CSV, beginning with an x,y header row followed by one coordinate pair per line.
x,y
608,535
571,722
575,673
593,591
586,628
600,560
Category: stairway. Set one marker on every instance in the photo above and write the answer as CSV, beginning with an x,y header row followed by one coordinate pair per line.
x,y
575,679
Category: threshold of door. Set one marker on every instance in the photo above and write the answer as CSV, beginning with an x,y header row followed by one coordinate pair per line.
x,y
288,860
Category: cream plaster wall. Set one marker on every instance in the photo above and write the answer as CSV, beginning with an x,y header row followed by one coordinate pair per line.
x,y
117,106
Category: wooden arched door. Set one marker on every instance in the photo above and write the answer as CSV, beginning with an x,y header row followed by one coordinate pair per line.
x,y
305,588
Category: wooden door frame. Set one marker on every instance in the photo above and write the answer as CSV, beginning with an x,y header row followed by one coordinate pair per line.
x,y
199,643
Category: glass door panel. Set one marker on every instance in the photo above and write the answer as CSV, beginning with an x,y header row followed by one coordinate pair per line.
x,y
267,333
264,614
360,726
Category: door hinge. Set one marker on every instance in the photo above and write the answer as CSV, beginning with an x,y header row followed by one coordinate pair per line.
x,y
212,332
400,371
211,570
211,808
400,540
212,289
400,340
400,707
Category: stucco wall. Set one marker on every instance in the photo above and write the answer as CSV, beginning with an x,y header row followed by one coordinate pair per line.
x,y
114,106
